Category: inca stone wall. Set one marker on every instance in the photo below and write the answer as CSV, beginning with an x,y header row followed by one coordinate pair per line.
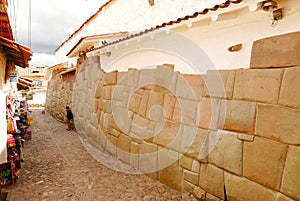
x,y
59,94
198,133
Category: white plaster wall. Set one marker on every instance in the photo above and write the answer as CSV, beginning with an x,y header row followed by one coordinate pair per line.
x,y
3,125
213,38
139,16
164,48
245,29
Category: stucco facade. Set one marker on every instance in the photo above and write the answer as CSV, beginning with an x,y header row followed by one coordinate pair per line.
x,y
139,15
194,43
3,126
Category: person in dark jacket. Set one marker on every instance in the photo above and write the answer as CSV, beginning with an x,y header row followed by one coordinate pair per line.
x,y
70,120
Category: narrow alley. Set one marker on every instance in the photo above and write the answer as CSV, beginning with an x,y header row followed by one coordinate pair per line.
x,y
58,166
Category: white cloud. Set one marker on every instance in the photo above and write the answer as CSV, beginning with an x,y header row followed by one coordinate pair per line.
x,y
42,59
52,22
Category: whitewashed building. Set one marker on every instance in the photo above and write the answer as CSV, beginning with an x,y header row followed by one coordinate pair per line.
x,y
190,33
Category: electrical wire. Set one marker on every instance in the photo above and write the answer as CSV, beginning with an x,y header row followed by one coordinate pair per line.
x,y
29,25
13,14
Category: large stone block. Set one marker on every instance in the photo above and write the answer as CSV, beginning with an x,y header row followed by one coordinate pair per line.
x,y
122,78
281,197
184,89
134,155
148,159
170,136
107,106
186,162
133,77
166,77
212,180
167,157
196,166
107,92
144,103
199,193
219,83
278,123
111,145
209,109
123,151
196,142
134,103
139,128
172,176
169,104
189,140
276,51
290,90
147,77
210,197
242,189
264,161
228,153
188,187
191,177
110,78
155,106
237,116
196,82
122,118
89,78
92,132
94,121
290,181
120,96
177,112
261,85
186,111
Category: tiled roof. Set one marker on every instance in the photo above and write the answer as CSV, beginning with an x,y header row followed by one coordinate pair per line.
x,y
5,30
19,54
177,21
93,37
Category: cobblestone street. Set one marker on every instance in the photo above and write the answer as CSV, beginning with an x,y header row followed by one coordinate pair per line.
x,y
58,166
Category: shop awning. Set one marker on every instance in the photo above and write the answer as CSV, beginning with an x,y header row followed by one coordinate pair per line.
x,y
27,81
19,54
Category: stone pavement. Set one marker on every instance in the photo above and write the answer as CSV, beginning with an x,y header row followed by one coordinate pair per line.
x,y
59,165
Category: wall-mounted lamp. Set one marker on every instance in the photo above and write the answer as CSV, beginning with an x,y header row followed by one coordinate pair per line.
x,y
275,12
235,48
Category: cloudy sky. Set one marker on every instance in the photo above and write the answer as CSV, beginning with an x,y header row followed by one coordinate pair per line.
x,y
52,22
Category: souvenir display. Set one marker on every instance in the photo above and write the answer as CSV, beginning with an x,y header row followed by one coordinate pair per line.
x,y
19,118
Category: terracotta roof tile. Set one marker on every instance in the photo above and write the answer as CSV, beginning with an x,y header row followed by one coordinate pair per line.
x,y
19,54
194,15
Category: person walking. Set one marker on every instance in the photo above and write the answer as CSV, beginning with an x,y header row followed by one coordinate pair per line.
x,y
70,120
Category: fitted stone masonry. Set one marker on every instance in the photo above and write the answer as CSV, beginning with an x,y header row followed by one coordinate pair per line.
x,y
193,135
